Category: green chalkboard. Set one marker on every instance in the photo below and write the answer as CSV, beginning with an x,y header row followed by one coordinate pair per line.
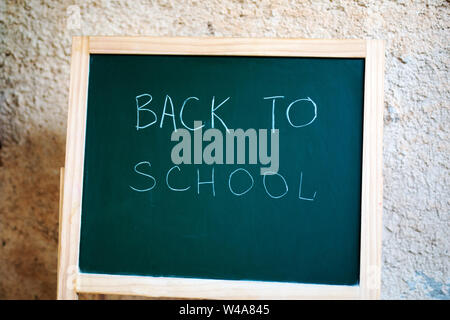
x,y
141,215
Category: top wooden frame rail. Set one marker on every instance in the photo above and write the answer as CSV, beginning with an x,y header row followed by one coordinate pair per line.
x,y
229,46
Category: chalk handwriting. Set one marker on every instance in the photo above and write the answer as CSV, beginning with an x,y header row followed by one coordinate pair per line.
x,y
238,146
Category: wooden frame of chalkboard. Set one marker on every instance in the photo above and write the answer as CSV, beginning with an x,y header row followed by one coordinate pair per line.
x,y
71,281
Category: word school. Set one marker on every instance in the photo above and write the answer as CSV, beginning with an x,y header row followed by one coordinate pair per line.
x,y
143,167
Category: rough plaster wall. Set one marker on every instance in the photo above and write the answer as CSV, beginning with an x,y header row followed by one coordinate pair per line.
x,y
34,61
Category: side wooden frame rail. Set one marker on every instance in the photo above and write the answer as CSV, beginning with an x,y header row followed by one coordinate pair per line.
x,y
71,281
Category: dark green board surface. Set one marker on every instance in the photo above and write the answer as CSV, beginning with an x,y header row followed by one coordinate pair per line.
x,y
253,237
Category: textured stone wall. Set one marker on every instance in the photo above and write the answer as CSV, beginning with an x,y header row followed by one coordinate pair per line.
x,y
34,61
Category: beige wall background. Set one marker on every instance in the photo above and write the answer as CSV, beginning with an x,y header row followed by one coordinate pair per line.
x,y
35,59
